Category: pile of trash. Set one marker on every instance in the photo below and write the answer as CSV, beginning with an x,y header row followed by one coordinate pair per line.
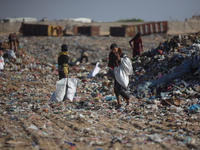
x,y
164,112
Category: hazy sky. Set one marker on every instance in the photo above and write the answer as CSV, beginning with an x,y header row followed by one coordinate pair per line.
x,y
101,10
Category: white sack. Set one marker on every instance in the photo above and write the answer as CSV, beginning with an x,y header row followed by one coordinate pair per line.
x,y
121,77
60,92
127,65
72,82
1,63
60,89
94,71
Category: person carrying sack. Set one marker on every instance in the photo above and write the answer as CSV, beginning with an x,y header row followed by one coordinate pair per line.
x,y
114,61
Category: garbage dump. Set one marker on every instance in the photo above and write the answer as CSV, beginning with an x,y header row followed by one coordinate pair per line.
x,y
165,88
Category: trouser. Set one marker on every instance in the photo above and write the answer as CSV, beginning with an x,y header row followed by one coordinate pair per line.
x,y
61,74
13,45
86,58
118,89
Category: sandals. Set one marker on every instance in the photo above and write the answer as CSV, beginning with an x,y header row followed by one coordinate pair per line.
x,y
127,104
118,106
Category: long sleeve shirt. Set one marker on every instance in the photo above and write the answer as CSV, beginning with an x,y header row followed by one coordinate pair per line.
x,y
137,43
114,60
63,62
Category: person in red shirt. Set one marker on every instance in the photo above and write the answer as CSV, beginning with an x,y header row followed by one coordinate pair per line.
x,y
137,44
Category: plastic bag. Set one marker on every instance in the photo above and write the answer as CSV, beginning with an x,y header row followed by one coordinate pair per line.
x,y
94,71
1,63
121,77
195,108
11,54
127,65
72,82
53,97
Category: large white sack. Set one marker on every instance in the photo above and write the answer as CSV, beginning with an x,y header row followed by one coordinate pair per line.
x,y
60,89
121,77
94,71
60,92
1,62
127,65
72,82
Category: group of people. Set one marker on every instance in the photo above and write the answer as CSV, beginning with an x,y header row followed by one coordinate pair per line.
x,y
114,60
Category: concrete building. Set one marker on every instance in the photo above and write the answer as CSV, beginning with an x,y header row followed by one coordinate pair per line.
x,y
22,19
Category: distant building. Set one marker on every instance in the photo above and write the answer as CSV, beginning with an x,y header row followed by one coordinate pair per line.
x,y
196,17
83,20
44,19
23,19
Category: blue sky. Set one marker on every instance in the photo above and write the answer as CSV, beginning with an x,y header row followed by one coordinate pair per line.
x,y
101,10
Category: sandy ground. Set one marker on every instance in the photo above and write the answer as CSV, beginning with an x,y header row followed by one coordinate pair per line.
x,y
29,121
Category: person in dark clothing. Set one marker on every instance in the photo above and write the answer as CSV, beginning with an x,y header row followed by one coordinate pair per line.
x,y
63,68
114,60
84,54
137,44
13,41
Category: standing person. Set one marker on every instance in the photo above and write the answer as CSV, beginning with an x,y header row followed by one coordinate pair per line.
x,y
13,41
114,60
63,68
137,44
